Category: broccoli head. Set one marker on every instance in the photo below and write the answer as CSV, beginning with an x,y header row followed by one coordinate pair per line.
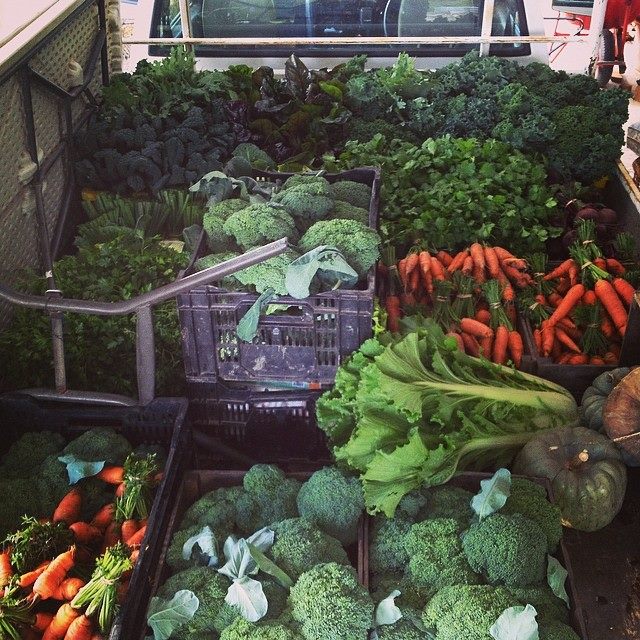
x,y
269,498
216,509
243,630
450,502
28,452
18,497
546,603
412,599
298,179
100,444
334,502
269,274
299,545
357,194
435,554
556,630
529,502
310,201
213,223
330,604
359,244
466,611
260,224
414,506
401,630
229,282
386,549
346,211
507,549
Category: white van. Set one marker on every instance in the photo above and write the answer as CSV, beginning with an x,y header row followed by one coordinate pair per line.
x,y
335,19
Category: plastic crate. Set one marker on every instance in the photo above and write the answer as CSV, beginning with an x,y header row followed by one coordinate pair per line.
x,y
267,426
194,485
160,422
305,345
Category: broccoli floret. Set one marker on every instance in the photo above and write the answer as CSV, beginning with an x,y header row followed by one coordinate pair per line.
x,y
174,557
334,502
330,604
28,452
356,193
556,630
269,498
229,282
401,630
269,274
243,630
210,587
311,201
466,611
346,211
546,603
100,444
450,502
298,179
386,549
55,483
18,497
359,244
412,599
414,506
299,545
216,509
507,549
435,554
531,504
95,494
258,158
213,222
259,224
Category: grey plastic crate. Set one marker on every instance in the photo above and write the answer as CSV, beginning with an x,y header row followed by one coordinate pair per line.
x,y
304,346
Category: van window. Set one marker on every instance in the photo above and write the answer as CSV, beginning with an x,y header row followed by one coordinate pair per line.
x,y
336,18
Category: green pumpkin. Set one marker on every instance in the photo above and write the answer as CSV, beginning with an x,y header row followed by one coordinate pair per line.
x,y
586,471
594,397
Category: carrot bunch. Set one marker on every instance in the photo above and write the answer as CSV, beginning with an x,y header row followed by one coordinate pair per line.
x,y
42,564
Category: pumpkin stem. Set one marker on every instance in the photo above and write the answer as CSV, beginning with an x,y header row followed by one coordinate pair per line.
x,y
578,459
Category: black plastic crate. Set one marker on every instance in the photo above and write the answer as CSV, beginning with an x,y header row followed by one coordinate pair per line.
x,y
305,345
160,422
263,426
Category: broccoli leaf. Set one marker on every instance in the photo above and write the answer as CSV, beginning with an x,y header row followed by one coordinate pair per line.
x,y
387,612
516,623
493,494
248,596
247,328
78,469
167,616
203,546
266,565
240,563
557,577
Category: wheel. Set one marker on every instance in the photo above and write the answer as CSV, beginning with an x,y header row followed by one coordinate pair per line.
x,y
606,52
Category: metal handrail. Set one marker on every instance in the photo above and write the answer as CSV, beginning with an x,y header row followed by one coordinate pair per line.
x,y
53,303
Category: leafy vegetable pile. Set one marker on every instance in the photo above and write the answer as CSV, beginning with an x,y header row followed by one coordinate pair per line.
x,y
419,409
66,563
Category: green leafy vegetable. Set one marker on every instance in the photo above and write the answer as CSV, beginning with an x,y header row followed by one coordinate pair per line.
x,y
78,469
493,494
202,544
516,623
387,612
165,617
557,578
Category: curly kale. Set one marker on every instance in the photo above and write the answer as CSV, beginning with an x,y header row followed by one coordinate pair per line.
x,y
260,224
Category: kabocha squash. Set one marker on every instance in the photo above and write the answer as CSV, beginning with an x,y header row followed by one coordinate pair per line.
x,y
594,397
586,471
621,417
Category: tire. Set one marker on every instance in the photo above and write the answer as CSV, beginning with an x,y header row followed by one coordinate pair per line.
x,y
606,51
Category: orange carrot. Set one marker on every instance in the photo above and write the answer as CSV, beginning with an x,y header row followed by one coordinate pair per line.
x,y
566,323
138,536
80,629
475,328
492,263
589,297
52,577
554,299
437,270
624,290
570,300
128,528
414,281
61,622
424,260
111,535
411,264
565,357
104,517
563,285
503,254
500,345
615,267
458,339
486,346
84,532
477,253
566,340
508,294
393,313
120,490
612,304
458,261
548,338
134,555
516,348
444,257
42,621
610,358
69,508
561,270
111,475
6,571
597,360
467,266
27,579
607,328
68,589
579,358
574,272
601,263
402,272
484,316
471,345
537,338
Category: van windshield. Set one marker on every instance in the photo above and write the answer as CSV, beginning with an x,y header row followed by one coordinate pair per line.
x,y
342,18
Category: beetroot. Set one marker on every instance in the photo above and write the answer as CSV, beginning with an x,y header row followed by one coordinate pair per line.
x,y
588,213
607,216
